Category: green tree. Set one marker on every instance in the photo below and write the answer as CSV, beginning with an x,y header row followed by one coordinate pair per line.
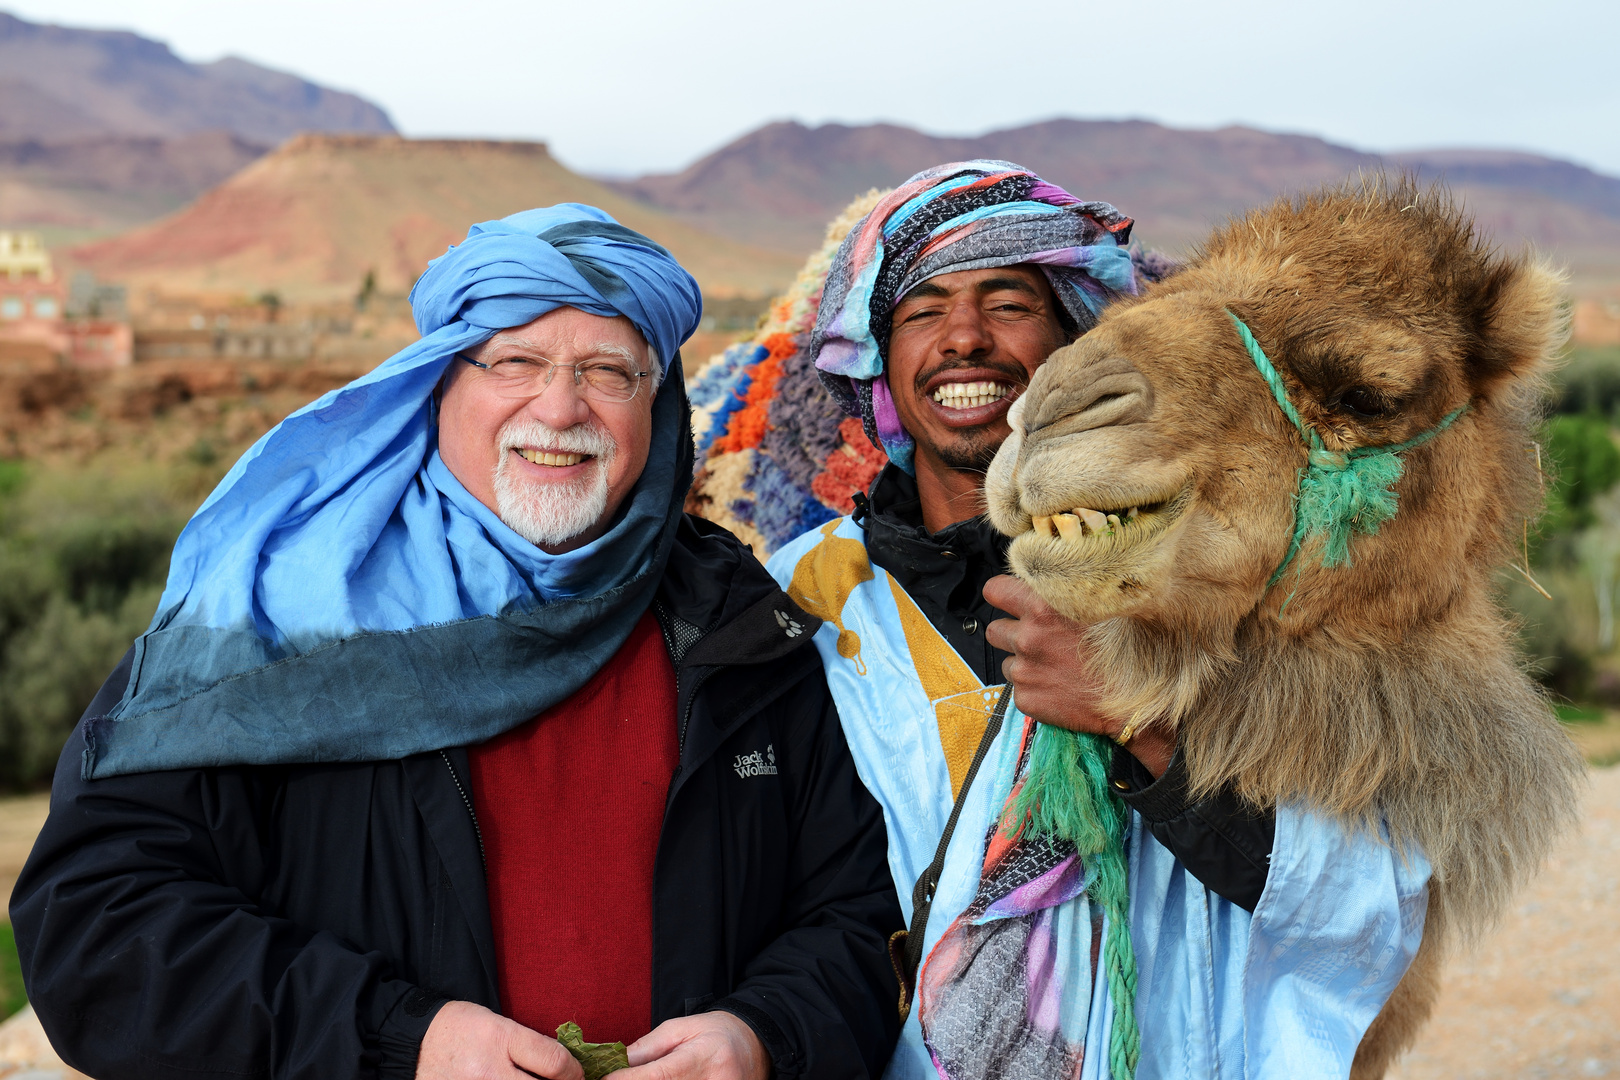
x,y
1586,463
368,289
81,569
53,670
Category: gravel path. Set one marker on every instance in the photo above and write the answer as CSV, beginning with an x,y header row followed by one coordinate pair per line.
x,y
1541,997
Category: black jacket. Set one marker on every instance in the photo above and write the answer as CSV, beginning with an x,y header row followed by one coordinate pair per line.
x,y
1223,841
307,921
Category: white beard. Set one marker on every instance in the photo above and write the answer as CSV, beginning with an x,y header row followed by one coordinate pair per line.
x,y
548,514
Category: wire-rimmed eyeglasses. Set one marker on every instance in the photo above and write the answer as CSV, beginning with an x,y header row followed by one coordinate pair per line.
x,y
604,378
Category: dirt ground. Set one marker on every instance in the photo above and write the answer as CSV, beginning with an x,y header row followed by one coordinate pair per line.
x,y
20,821
1540,998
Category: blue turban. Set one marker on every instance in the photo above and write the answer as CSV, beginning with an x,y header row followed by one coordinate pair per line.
x,y
342,597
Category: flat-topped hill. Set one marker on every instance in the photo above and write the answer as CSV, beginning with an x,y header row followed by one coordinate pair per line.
x,y
311,219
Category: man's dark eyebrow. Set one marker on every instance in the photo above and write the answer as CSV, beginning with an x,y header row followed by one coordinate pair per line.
x,y
988,285
997,284
927,288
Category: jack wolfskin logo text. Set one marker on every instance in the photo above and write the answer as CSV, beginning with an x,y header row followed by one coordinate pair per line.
x,y
790,626
757,763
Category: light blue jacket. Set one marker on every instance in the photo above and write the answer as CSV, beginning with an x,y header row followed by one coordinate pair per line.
x,y
1281,994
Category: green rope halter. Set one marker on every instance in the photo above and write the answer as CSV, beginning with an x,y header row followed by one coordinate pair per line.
x,y
1341,492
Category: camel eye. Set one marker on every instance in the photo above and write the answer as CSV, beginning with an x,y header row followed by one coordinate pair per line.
x,y
1361,402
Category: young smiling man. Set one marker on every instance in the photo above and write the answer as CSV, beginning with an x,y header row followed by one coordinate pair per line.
x,y
938,308
453,728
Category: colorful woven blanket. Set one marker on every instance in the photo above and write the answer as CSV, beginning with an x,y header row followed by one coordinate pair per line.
x,y
776,454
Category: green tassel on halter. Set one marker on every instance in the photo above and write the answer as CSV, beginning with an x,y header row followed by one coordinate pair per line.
x,y
1341,492
1066,795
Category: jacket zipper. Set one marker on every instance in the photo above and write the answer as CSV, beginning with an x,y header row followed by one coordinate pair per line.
x,y
686,717
468,804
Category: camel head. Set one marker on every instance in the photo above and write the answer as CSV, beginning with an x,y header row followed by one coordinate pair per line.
x,y
1153,474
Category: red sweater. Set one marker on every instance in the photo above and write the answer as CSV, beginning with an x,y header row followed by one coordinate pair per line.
x,y
570,806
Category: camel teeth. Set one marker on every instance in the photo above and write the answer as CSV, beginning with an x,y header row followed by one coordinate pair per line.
x,y
1095,522
1081,522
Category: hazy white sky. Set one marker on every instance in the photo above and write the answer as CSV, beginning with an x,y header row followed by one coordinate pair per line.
x,y
642,85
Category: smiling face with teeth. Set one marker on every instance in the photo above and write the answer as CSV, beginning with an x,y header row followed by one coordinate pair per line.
x,y
556,465
962,348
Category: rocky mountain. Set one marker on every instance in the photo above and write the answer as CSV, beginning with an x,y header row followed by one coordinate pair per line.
x,y
1562,180
100,184
59,82
312,218
777,186
102,131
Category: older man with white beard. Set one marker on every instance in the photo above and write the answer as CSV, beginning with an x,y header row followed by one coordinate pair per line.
x,y
453,730
550,463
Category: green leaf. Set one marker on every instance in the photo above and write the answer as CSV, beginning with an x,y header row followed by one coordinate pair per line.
x,y
597,1059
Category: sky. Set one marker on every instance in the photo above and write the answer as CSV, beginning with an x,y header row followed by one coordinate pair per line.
x,y
636,86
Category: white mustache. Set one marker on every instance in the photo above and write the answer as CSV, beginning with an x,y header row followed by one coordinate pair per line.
x,y
525,432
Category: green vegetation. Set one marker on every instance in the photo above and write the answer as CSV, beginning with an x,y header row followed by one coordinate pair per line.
x,y
1586,463
83,555
1578,714
12,995
1589,383
1575,551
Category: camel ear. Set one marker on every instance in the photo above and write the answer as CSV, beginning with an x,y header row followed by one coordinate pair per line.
x,y
1520,322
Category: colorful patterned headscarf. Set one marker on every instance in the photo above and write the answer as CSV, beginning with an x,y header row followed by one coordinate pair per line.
x,y
968,215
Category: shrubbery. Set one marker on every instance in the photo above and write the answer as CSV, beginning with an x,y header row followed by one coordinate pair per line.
x,y
82,563
1585,464
1571,637
12,994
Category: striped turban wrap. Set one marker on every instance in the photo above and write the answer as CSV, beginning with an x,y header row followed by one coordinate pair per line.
x,y
970,215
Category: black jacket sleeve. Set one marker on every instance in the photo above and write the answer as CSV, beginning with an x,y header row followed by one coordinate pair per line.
x,y
1224,842
823,997
145,955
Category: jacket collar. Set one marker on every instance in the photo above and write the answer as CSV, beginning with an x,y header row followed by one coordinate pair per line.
x,y
732,632
893,520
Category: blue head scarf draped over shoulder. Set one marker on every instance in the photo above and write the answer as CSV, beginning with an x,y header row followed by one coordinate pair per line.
x,y
342,597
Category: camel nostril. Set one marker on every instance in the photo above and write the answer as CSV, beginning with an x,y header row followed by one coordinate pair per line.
x,y
1114,393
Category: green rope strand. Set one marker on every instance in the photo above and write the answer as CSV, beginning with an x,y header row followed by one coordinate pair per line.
x,y
1273,380
1066,795
1340,493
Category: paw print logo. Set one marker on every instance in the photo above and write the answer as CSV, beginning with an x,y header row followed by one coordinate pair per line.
x,y
789,625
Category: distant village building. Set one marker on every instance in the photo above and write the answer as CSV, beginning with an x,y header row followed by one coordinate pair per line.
x,y
34,323
31,298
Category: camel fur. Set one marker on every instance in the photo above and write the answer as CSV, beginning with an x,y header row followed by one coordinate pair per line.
x,y
1387,689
